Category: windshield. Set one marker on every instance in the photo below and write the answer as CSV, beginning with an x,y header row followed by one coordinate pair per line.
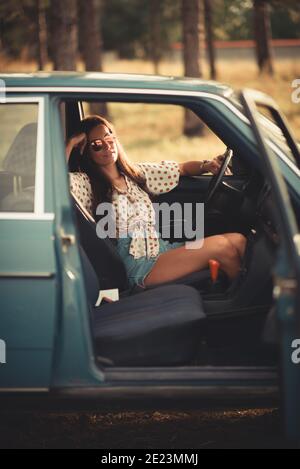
x,y
274,133
270,127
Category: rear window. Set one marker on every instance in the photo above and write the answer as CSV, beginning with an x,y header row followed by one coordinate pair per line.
x,y
18,148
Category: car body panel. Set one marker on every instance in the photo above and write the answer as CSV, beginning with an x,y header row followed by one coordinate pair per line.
x,y
29,289
74,362
76,81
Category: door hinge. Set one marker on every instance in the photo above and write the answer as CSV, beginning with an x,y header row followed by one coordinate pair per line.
x,y
285,286
67,240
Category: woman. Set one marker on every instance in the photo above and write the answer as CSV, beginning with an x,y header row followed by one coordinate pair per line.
x,y
130,188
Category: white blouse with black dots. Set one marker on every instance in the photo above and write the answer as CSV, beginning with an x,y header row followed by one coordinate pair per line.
x,y
135,215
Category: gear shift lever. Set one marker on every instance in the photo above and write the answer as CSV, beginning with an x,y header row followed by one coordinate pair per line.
x,y
214,267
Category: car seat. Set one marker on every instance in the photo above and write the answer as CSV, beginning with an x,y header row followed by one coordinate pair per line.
x,y
160,327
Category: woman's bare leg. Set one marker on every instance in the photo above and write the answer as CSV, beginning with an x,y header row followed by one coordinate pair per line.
x,y
181,261
239,242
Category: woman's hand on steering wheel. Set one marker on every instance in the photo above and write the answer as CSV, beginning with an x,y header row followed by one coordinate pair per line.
x,y
220,159
222,162
214,166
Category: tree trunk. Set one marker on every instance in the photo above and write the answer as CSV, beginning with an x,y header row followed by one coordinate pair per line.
x,y
208,5
41,34
192,22
91,43
155,18
263,35
65,30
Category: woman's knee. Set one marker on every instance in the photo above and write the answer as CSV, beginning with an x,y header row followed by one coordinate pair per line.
x,y
240,243
226,250
238,240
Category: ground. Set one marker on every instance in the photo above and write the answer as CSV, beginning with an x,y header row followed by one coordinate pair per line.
x,y
244,428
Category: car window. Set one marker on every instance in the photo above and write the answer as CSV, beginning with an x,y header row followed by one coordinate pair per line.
x,y
274,133
271,129
154,132
18,144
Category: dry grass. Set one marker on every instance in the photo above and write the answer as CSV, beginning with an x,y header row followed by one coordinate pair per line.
x,y
238,75
152,132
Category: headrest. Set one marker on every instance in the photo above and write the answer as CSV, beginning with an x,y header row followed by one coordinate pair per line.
x,y
21,156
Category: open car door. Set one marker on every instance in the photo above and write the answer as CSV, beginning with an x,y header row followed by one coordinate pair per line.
x,y
287,272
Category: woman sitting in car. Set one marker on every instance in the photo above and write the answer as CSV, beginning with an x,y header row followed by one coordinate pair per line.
x,y
114,178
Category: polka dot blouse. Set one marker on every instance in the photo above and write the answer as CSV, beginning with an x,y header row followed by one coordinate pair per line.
x,y
135,215
80,187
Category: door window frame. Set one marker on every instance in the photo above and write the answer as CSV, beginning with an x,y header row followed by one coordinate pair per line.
x,y
39,193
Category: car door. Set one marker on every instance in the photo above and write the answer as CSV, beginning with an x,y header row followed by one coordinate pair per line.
x,y
287,275
28,272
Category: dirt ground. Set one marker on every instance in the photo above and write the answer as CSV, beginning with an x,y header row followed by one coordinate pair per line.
x,y
247,428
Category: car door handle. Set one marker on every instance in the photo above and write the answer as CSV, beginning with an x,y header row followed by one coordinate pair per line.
x,y
67,239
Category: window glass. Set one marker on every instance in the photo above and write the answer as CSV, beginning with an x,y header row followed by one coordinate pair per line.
x,y
274,132
18,144
154,132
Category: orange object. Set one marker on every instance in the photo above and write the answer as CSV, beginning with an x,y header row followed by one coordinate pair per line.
x,y
214,267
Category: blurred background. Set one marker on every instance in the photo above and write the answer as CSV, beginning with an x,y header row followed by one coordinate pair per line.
x,y
252,43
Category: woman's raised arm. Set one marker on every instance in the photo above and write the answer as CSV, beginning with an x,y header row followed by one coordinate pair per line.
x,y
79,140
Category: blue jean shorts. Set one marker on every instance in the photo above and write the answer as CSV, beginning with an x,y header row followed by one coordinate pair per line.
x,y
138,269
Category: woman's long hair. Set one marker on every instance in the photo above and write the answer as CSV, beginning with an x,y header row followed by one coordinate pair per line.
x,y
102,188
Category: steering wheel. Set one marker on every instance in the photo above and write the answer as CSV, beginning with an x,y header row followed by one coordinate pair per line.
x,y
217,178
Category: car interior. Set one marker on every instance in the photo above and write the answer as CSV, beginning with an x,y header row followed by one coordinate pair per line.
x,y
223,322
192,321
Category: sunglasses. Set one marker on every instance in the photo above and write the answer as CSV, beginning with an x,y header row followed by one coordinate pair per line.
x,y
98,144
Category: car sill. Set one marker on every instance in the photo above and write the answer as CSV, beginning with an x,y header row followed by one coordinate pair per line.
x,y
190,374
146,388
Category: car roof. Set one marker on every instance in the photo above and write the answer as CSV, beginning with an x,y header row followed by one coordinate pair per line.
x,y
54,81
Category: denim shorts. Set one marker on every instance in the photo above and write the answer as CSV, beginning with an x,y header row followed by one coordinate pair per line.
x,y
138,269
